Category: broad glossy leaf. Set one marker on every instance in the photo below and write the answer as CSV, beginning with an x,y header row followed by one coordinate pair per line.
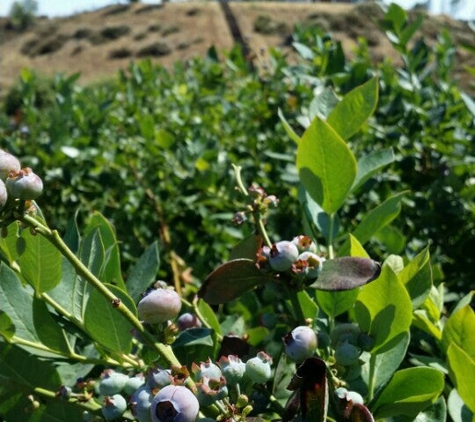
x,y
231,280
354,109
111,271
460,330
105,324
336,303
462,373
326,166
288,129
247,248
209,316
356,248
382,365
311,381
195,345
458,410
7,328
323,103
40,262
92,252
144,272
9,242
374,220
371,164
417,277
346,273
28,314
409,392
383,308
307,304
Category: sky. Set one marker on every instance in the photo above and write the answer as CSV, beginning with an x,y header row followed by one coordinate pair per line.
x,y
466,9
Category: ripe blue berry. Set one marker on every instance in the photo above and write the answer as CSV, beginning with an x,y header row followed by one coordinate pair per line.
x,y
258,368
8,163
300,343
233,368
282,255
158,377
140,403
174,403
24,184
160,305
188,320
113,407
112,382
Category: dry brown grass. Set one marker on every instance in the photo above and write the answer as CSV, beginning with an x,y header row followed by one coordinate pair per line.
x,y
97,44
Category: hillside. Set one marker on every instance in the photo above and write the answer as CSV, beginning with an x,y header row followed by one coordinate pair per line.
x,y
98,43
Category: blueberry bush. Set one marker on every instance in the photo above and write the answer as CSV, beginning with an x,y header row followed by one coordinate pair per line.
x,y
213,244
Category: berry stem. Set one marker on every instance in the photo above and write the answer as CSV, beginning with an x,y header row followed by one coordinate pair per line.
x,y
53,236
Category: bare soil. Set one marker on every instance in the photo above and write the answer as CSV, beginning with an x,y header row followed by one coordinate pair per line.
x,y
97,44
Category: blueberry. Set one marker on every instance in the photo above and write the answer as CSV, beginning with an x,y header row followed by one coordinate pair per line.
x,y
313,264
24,184
158,377
8,163
140,403
300,343
258,368
112,382
210,390
174,403
233,368
3,194
188,320
304,244
160,305
206,369
345,332
347,354
113,407
282,255
133,383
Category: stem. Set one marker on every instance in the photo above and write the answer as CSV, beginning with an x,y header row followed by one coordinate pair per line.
x,y
52,235
261,228
89,405
241,187
372,365
300,317
330,236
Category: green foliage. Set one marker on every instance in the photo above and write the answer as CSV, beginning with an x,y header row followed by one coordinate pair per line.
x,y
138,176
22,13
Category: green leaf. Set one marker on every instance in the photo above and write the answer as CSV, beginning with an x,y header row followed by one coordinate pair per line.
x,y
409,392
382,365
146,126
323,103
195,345
164,139
336,303
371,164
231,280
356,248
247,248
458,410
374,220
144,272
210,317
111,272
326,166
288,129
460,330
417,277
462,373
354,109
307,304
26,370
29,315
7,328
383,308
392,238
40,262
92,252
9,242
105,324
346,273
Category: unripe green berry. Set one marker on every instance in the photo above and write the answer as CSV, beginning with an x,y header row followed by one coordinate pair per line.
x,y
133,383
314,264
24,184
8,163
112,382
300,343
346,354
113,407
258,368
160,305
233,368
304,244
